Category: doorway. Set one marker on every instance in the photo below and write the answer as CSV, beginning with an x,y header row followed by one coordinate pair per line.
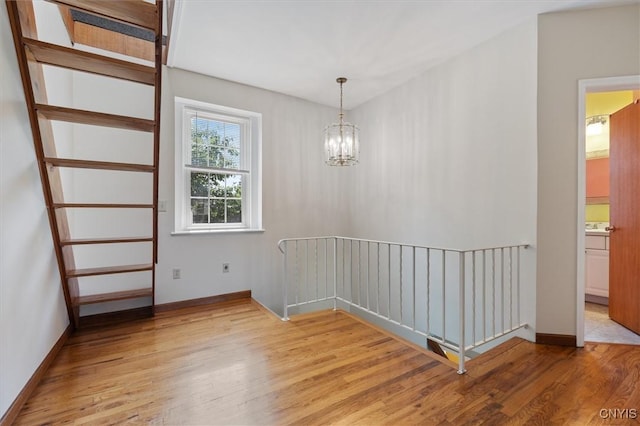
x,y
597,99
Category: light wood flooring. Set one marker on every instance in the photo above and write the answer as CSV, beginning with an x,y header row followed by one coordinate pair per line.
x,y
235,363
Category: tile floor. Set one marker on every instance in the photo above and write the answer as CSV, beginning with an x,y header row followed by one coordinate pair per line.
x,y
599,328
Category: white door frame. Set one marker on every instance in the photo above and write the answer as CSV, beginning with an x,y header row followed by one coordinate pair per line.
x,y
608,84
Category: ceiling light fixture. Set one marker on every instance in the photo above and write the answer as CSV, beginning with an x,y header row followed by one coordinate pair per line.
x,y
341,140
596,124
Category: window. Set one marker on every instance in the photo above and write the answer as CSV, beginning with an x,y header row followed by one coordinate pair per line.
x,y
217,168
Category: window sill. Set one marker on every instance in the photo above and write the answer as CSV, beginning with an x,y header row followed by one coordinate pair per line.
x,y
217,231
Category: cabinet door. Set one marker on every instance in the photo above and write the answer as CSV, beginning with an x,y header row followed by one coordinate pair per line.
x,y
597,273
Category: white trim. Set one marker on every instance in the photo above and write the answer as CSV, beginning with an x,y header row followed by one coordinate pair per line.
x,y
217,231
174,37
205,169
608,84
225,110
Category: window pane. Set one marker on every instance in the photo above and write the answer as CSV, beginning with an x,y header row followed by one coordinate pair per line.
x,y
229,135
234,186
217,185
217,128
200,141
199,184
216,156
215,143
217,211
199,211
199,153
232,158
234,211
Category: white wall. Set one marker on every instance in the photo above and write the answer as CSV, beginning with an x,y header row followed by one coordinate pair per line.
x,y
572,46
32,310
449,159
299,194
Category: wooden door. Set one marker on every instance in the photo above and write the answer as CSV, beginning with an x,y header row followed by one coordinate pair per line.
x,y
624,266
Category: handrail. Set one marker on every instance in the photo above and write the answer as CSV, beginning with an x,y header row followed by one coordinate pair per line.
x,y
459,298
392,243
284,240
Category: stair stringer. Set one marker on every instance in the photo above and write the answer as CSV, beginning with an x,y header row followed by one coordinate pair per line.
x,y
22,20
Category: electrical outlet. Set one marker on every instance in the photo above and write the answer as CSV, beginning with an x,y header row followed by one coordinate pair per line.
x,y
176,274
226,267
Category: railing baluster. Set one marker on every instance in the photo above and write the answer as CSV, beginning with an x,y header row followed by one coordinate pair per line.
x,y
306,271
355,284
414,288
510,288
315,250
326,268
285,313
473,297
461,290
401,285
428,325
493,289
518,284
368,273
348,283
444,295
335,274
351,274
378,278
344,256
389,281
359,266
359,284
484,295
348,279
297,274
502,286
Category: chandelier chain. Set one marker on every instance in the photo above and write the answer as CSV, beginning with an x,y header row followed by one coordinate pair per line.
x,y
341,113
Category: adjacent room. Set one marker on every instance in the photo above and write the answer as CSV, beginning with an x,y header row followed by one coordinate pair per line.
x,y
600,324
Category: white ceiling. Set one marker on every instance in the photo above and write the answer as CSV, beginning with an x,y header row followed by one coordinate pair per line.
x,y
300,47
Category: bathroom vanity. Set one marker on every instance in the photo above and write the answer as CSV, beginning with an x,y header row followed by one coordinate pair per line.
x,y
597,263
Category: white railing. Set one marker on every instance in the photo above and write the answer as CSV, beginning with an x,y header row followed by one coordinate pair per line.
x,y
459,298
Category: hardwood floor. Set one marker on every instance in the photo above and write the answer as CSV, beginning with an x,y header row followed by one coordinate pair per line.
x,y
235,363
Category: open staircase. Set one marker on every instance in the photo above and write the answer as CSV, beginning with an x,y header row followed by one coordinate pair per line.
x,y
33,55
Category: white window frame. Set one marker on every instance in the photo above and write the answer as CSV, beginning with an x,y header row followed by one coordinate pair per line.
x,y
250,166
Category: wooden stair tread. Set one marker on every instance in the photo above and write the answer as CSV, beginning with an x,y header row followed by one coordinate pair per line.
x,y
136,13
101,206
52,54
110,240
117,295
100,165
108,270
79,116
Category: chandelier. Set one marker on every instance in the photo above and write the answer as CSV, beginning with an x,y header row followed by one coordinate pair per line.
x,y
341,140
